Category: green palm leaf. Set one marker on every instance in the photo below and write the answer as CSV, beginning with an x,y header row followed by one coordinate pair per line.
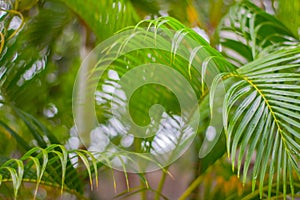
x,y
26,55
104,18
163,41
261,119
36,166
248,32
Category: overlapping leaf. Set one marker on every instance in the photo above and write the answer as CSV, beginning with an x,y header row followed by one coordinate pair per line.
x,y
261,118
104,18
36,166
248,32
163,41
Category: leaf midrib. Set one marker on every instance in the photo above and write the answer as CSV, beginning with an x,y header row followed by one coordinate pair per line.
x,y
280,130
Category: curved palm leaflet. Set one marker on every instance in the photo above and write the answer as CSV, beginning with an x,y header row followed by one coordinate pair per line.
x,y
258,63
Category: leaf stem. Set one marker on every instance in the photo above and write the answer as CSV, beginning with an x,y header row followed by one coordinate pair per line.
x,y
161,184
144,192
191,188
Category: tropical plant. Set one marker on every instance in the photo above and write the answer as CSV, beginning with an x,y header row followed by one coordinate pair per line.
x,y
236,46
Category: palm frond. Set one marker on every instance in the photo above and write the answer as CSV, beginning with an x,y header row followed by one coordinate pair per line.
x,y
36,166
261,119
289,14
39,132
168,45
20,140
22,62
44,138
248,32
104,18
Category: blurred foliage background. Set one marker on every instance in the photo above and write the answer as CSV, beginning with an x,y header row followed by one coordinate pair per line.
x,y
43,43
